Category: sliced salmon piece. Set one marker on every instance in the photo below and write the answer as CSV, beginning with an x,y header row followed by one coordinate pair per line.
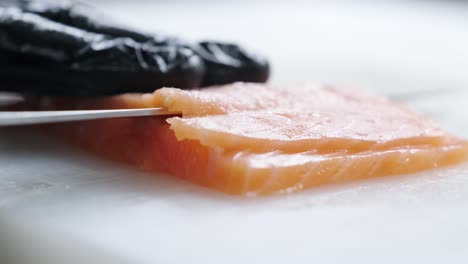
x,y
257,139
324,131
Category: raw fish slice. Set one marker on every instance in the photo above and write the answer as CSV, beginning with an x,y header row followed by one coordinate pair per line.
x,y
150,145
324,131
259,139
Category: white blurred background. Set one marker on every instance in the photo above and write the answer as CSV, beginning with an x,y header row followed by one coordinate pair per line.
x,y
331,41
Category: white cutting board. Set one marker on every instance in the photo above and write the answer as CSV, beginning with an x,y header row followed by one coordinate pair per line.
x,y
62,206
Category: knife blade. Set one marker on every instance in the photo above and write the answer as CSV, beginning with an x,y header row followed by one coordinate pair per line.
x,y
17,118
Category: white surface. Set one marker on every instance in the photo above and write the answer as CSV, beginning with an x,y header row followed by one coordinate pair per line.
x,y
62,206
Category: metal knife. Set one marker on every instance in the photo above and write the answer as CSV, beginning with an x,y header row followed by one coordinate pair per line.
x,y
16,118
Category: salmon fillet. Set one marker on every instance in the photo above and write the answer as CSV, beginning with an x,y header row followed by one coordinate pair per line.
x,y
256,139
